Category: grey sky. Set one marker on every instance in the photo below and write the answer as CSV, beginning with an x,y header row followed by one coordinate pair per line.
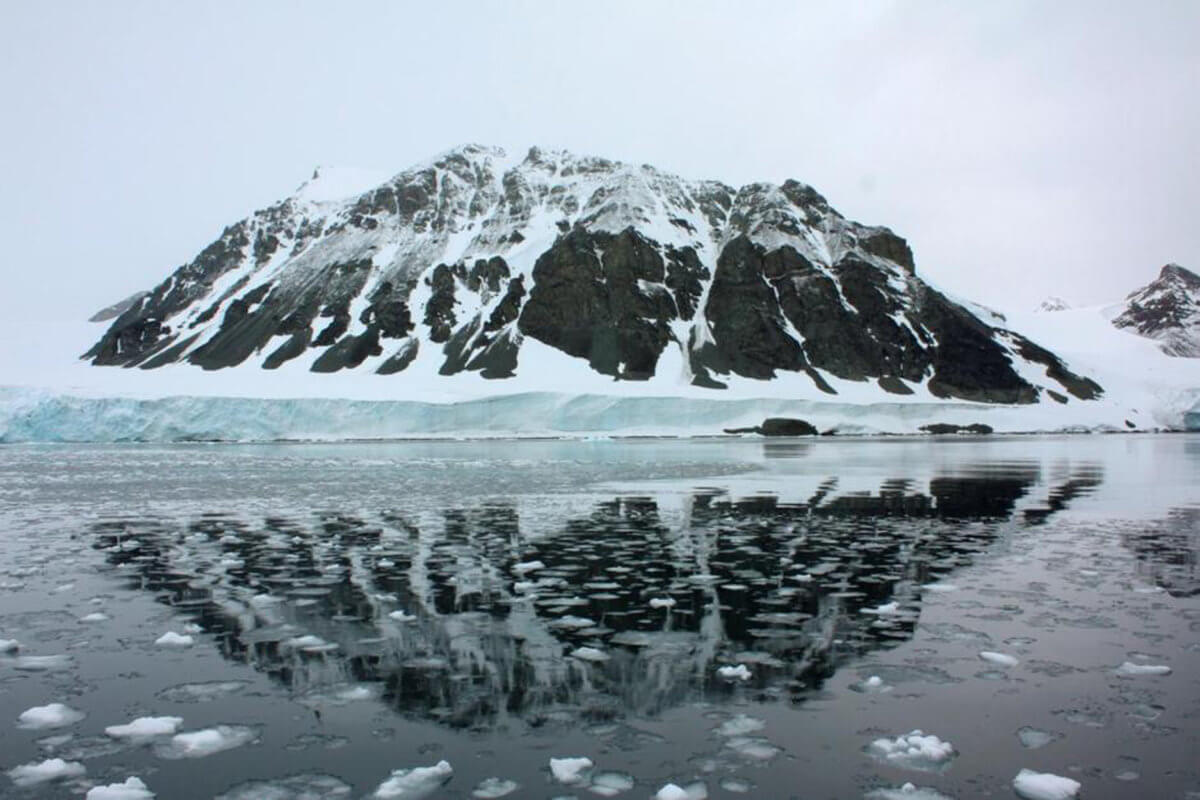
x,y
1024,149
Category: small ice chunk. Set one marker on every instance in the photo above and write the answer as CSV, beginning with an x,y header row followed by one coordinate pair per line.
x,y
1033,738
741,725
1044,786
264,600
589,654
305,786
885,609
1130,669
611,784
9,645
52,769
145,728
569,770
740,672
199,744
491,788
999,659
939,587
54,715
906,792
671,792
415,783
662,602
131,789
525,567
42,663
173,639
400,615
95,616
309,644
914,750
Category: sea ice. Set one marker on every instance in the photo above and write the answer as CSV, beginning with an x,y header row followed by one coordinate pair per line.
x,y
131,789
95,616
400,615
1033,738
999,659
906,792
1130,669
914,750
741,725
491,788
201,692
671,792
54,715
42,663
9,646
309,644
740,672
307,786
885,609
1044,786
589,654
662,602
569,770
145,728
173,639
415,783
611,784
524,567
198,744
51,769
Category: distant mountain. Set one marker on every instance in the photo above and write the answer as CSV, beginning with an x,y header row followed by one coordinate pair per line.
x,y
476,262
117,309
1168,310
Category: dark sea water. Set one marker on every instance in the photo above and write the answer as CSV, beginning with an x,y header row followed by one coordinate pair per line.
x,y
355,609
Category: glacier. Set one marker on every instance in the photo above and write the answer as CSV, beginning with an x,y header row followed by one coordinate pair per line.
x,y
39,415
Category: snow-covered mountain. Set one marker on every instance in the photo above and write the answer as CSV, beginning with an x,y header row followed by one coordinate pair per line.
x,y
557,267
1168,310
1051,304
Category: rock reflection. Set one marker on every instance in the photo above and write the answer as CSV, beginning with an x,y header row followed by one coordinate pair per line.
x,y
630,606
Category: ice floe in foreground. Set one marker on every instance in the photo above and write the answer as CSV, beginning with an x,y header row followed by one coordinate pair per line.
x,y
173,639
132,789
693,791
198,744
1130,669
52,769
145,728
308,786
1044,786
611,784
906,792
999,659
491,788
914,750
734,673
54,715
1033,738
569,770
412,784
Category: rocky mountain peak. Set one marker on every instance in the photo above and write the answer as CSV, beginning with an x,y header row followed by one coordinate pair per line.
x,y
465,263
1168,310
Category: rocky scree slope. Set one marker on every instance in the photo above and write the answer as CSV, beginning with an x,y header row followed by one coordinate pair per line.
x,y
1168,310
461,263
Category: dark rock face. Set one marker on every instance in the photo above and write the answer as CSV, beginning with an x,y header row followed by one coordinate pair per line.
x,y
1167,309
947,427
117,309
462,260
779,426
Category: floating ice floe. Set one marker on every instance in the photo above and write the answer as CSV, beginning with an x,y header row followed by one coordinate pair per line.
x,y
42,663
662,602
1033,738
999,659
173,639
1130,669
198,744
54,715
309,644
491,788
265,600
569,770
693,791
589,654
611,784
884,610
95,616
938,587
914,750
9,646
306,786
906,792
52,769
400,615
145,728
132,789
201,692
740,673
412,784
741,725
871,685
1044,786
525,567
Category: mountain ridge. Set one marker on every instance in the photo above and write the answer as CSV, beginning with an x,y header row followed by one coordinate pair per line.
x,y
462,261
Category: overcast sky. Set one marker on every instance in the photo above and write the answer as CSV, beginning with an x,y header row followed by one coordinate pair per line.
x,y
1023,149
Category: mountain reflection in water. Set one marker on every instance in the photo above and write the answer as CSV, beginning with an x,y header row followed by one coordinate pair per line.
x,y
629,606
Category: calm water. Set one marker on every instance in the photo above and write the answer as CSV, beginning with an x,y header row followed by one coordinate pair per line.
x,y
356,609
